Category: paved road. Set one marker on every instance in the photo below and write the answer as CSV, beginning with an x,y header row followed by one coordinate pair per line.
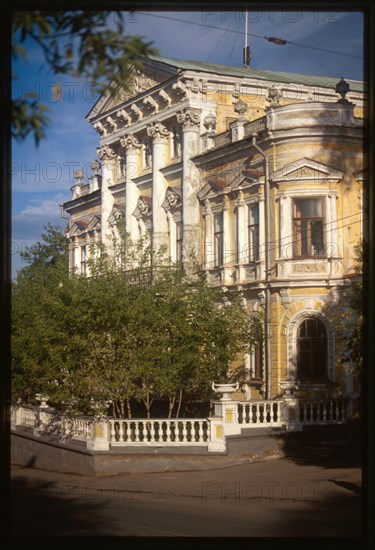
x,y
269,499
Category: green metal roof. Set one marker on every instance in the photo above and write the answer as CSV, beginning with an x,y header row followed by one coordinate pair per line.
x,y
278,76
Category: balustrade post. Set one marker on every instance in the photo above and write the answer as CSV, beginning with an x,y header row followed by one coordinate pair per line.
x,y
99,436
291,415
223,423
16,418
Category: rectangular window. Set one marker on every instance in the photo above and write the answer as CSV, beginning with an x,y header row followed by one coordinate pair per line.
x,y
308,238
253,233
84,260
257,361
218,239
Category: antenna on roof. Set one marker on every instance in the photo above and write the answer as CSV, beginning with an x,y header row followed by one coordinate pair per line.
x,y
246,50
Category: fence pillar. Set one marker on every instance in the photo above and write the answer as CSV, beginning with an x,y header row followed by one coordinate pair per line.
x,y
223,423
291,415
16,417
99,436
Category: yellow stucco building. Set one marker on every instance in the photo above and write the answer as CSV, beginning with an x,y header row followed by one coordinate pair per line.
x,y
262,175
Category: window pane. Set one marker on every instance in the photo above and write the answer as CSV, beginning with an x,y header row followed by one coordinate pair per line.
x,y
317,237
254,215
312,350
308,208
218,223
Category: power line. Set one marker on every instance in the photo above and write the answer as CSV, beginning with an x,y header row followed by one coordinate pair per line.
x,y
288,244
273,39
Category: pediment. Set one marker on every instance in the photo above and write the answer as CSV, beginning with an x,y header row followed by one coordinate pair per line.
x,y
361,175
137,83
308,170
247,177
212,188
78,227
94,224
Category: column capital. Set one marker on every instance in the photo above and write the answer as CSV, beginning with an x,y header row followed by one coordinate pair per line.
x,y
106,153
130,142
189,118
157,130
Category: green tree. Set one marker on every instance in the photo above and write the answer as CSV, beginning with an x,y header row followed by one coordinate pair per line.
x,y
123,335
87,44
352,317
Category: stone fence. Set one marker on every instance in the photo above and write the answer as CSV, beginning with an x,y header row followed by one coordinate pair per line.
x,y
229,418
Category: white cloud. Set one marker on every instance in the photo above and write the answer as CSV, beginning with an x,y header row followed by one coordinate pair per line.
x,y
42,209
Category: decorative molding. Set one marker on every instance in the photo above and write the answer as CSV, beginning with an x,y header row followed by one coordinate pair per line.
x,y
156,129
137,111
173,199
285,296
309,268
149,100
106,154
180,87
209,122
129,141
123,115
112,123
98,126
189,118
167,98
116,214
240,108
143,209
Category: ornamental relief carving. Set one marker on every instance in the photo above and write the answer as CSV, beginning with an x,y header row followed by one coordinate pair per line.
x,y
106,153
139,82
115,215
173,199
144,208
129,141
156,129
189,118
309,268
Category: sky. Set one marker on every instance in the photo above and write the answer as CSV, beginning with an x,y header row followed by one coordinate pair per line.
x,y
42,176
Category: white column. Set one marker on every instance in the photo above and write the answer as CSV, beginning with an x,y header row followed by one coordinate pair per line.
x,y
229,252
132,148
208,236
159,135
242,234
76,256
286,228
172,237
333,247
190,120
108,158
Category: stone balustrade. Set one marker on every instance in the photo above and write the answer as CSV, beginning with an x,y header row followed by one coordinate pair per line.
x,y
229,418
194,431
261,413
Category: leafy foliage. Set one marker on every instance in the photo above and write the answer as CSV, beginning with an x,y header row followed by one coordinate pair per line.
x,y
124,335
87,44
351,320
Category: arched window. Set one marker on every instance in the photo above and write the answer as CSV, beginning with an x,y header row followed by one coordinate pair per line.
x,y
312,351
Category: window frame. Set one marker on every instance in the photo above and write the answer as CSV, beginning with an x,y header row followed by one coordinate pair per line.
x,y
312,345
298,232
253,229
218,240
